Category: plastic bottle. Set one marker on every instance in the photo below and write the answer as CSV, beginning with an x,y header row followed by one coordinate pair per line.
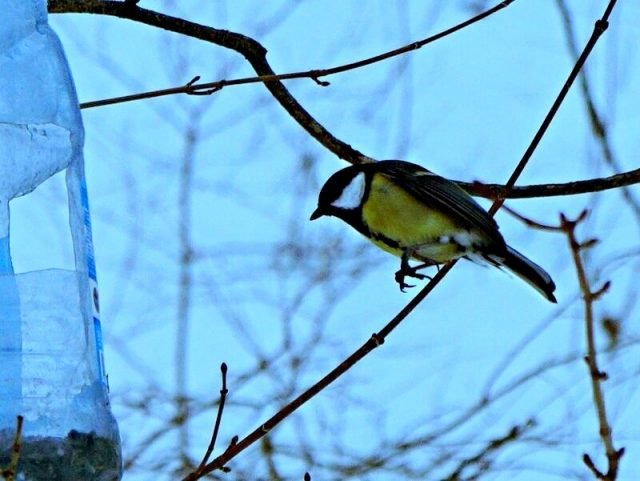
x,y
51,363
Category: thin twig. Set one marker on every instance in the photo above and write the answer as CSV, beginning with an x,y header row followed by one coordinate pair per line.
x,y
597,376
249,48
598,124
223,396
9,473
62,6
598,29
374,341
255,54
480,459
530,222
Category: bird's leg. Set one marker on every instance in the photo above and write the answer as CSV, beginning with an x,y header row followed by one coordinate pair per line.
x,y
407,271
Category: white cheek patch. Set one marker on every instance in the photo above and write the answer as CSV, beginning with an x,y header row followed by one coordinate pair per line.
x,y
351,196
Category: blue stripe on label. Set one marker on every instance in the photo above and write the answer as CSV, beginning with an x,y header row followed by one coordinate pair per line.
x,y
93,283
86,217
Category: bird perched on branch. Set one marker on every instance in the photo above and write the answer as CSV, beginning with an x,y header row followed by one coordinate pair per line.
x,y
417,215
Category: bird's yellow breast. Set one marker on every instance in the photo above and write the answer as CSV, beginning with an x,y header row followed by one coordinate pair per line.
x,y
391,213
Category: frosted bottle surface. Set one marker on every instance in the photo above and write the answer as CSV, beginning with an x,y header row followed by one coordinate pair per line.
x,y
50,336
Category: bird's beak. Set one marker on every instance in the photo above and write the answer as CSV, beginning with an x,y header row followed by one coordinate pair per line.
x,y
316,214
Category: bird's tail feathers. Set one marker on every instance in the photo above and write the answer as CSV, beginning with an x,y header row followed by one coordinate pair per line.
x,y
528,271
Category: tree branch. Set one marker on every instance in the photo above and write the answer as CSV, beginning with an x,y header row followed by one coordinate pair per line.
x,y
208,88
480,460
596,375
255,54
377,339
253,51
598,124
493,191
598,29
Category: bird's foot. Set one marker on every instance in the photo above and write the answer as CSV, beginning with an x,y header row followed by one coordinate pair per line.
x,y
408,271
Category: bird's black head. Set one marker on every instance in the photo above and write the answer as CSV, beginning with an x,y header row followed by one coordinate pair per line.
x,y
342,195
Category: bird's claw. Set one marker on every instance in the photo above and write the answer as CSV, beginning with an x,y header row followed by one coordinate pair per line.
x,y
408,272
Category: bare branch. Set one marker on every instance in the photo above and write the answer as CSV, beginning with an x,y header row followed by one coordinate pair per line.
x,y
598,124
118,9
214,436
493,191
597,376
530,222
315,74
255,54
598,29
480,459
253,51
9,472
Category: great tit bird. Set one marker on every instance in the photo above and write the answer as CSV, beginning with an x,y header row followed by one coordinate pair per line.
x,y
415,214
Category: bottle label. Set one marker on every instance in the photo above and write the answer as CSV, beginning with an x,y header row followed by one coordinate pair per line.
x,y
93,282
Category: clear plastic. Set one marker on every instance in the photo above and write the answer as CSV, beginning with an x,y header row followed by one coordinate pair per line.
x,y
50,336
